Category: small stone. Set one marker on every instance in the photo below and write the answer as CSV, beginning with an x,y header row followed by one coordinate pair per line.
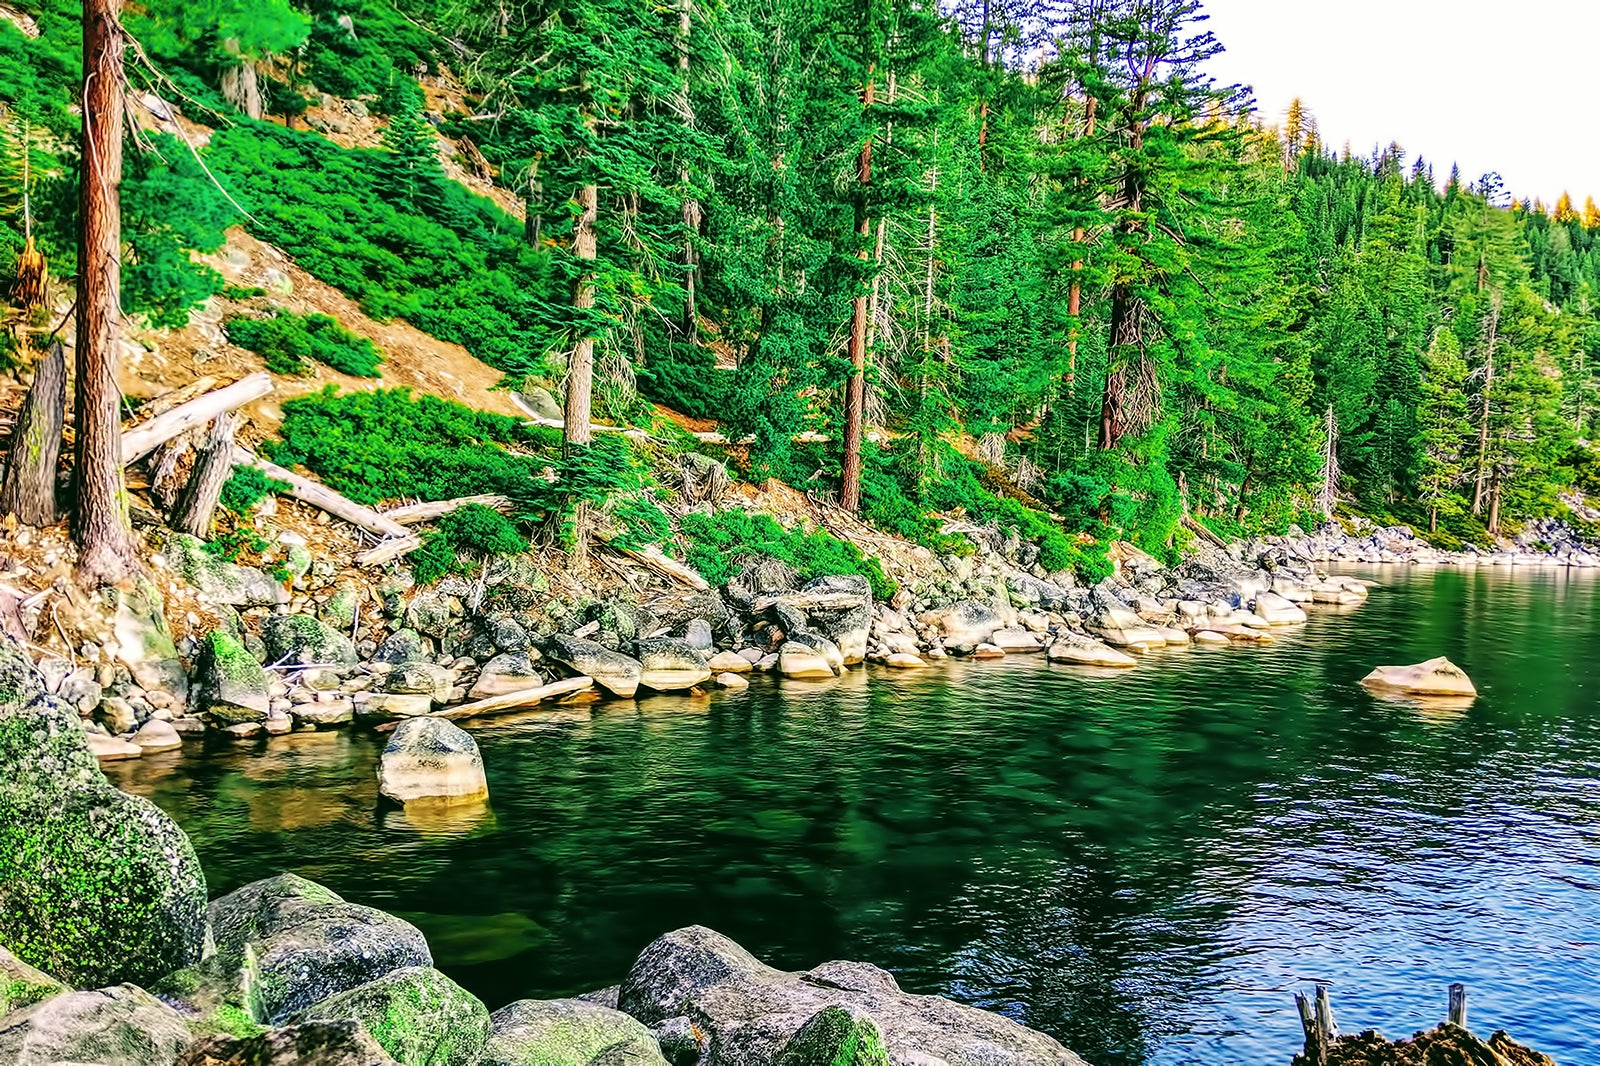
x,y
904,661
156,735
732,680
243,730
730,662
108,749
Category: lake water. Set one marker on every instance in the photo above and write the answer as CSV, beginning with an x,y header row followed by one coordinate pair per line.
x,y
1145,864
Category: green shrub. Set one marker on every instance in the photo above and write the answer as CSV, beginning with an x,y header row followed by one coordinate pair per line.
x,y
287,340
475,531
246,487
386,444
716,541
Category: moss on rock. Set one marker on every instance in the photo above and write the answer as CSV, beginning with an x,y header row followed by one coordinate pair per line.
x,y
418,1015
96,886
300,638
567,1032
232,686
22,985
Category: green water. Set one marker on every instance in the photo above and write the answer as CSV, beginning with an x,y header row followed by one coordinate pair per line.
x,y
1145,864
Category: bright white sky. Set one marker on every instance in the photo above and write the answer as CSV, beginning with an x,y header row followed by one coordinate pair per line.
x,y
1492,85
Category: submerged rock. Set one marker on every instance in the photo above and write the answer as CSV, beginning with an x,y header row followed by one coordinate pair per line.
x,y
753,1013
1436,677
289,943
96,886
418,1015
567,1032
117,1026
431,758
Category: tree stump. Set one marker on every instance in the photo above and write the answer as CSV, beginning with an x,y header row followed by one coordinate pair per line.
x,y
29,489
212,468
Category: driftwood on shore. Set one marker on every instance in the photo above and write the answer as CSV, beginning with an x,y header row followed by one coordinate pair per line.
x,y
652,558
146,437
512,701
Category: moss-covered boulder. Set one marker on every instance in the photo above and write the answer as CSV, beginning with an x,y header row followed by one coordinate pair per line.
x,y
838,1036
96,886
220,581
567,1032
418,1015
300,638
402,646
117,1026
22,985
230,686
339,612
313,1044
285,943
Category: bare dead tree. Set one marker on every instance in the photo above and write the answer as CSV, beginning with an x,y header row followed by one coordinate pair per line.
x,y
212,468
29,489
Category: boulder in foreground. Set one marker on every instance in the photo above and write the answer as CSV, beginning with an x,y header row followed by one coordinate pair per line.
x,y
1436,677
567,1032
117,1026
342,1043
418,1015
753,1013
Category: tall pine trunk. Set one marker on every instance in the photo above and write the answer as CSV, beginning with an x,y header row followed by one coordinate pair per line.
x,y
855,398
691,206
105,542
1075,293
577,422
1481,474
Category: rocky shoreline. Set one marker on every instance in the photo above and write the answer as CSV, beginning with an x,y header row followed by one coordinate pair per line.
x,y
111,954
330,649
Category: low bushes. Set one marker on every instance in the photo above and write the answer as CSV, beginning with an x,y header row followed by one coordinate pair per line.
x,y
288,341
715,540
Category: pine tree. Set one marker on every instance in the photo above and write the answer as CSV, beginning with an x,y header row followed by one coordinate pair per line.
x,y
1445,427
411,174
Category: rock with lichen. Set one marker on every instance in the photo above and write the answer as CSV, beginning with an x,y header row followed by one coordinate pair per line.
x,y
418,1015
22,985
116,1026
305,640
567,1032
96,886
219,580
230,687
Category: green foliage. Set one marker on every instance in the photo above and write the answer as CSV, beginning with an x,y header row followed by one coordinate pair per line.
x,y
475,531
387,444
246,487
716,541
287,340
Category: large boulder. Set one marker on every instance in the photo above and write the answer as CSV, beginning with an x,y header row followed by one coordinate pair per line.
x,y
230,686
289,943
612,671
420,679
431,758
22,985
304,639
849,629
510,671
968,623
342,1043
1436,677
753,1013
567,1032
142,641
401,646
117,1026
669,664
418,1015
96,886
1277,610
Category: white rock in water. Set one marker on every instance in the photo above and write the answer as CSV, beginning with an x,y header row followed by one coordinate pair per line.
x,y
1211,636
431,757
728,662
988,651
1436,677
901,660
1084,651
1278,610
107,748
729,679
1012,640
798,661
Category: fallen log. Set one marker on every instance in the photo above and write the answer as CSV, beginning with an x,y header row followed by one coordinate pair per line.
x,y
143,439
160,405
412,513
388,549
322,497
510,701
653,559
